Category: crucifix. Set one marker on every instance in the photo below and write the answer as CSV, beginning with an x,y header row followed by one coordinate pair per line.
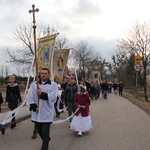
x,y
33,11
35,51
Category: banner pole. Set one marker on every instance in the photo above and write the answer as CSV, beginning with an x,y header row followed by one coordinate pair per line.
x,y
35,51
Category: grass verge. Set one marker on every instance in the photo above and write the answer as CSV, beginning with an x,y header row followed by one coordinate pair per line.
x,y
140,102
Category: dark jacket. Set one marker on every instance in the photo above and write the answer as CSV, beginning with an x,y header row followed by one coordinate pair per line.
x,y
13,96
120,86
70,92
88,86
1,98
92,90
104,86
115,86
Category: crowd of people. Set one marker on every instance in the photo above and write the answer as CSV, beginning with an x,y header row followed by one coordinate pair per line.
x,y
103,88
92,89
43,101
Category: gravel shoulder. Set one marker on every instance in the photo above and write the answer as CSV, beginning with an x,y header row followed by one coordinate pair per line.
x,y
137,100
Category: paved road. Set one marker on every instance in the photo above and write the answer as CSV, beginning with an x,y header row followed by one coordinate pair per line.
x,y
117,125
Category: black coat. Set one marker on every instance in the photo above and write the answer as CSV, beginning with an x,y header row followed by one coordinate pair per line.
x,y
104,86
13,96
1,98
120,86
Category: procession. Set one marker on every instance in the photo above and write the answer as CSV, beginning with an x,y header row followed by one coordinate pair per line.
x,y
71,78
53,90
43,97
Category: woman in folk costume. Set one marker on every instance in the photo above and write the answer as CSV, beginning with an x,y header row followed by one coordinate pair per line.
x,y
82,120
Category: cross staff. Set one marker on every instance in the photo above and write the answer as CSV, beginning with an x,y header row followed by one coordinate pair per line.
x,y
35,53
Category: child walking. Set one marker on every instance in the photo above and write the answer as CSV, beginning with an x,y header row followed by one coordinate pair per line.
x,y
82,120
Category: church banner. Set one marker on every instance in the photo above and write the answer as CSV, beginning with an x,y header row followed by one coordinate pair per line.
x,y
59,63
96,76
45,52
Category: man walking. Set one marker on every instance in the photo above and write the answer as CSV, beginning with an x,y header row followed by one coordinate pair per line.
x,y
41,101
120,88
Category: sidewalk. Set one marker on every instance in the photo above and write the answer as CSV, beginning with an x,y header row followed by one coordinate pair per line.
x,y
23,113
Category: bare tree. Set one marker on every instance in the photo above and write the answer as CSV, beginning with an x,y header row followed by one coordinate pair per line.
x,y
62,42
120,60
23,55
2,71
18,70
23,72
98,64
6,70
138,41
83,54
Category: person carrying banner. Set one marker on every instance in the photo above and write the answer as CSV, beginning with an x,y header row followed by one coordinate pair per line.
x,y
41,100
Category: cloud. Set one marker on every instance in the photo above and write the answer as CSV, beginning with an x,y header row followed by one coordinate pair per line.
x,y
86,8
103,46
91,20
12,12
12,3
83,11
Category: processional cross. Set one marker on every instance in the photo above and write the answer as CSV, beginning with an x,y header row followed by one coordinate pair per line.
x,y
35,51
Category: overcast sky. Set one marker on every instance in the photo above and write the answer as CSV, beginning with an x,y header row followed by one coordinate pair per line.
x,y
99,22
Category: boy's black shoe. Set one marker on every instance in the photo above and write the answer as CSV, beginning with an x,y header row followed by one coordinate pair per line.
x,y
13,125
34,136
3,131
